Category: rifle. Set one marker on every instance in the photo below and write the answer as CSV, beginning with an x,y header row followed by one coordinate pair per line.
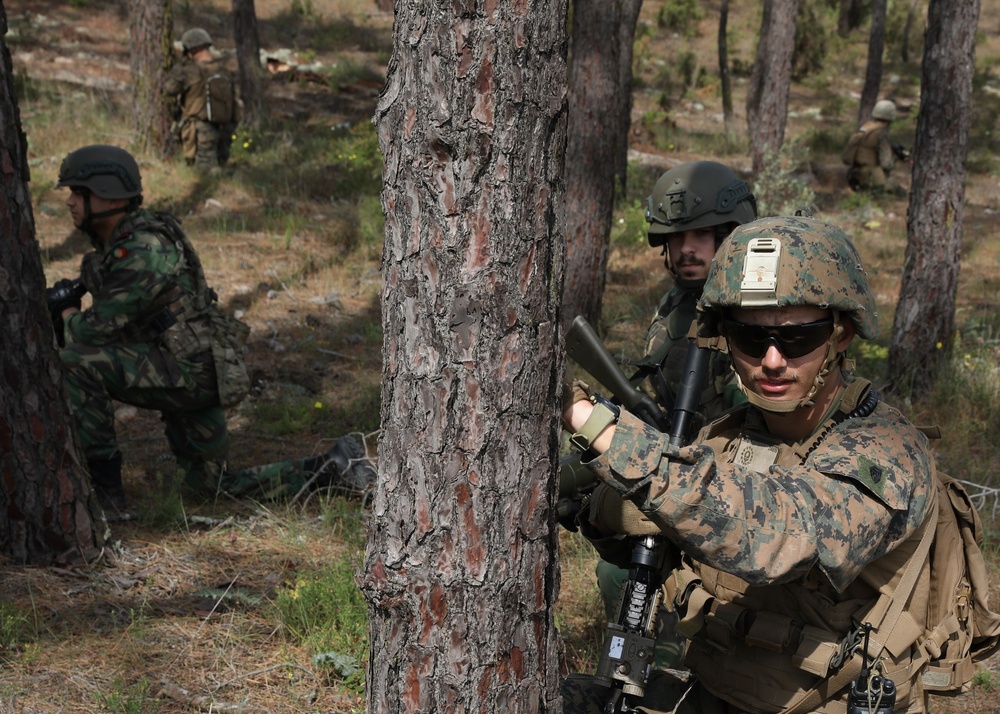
x,y
901,152
64,294
629,645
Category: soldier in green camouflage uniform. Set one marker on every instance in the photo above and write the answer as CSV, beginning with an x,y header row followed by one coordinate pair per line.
x,y
793,511
155,337
206,126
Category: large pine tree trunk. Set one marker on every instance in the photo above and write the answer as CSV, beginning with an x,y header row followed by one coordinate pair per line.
x,y
460,568
46,515
873,75
248,57
767,96
151,26
600,113
925,316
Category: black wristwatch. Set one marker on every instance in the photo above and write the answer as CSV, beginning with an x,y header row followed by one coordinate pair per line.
x,y
604,415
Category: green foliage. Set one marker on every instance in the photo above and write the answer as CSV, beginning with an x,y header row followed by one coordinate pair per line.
x,y
983,679
813,26
126,698
16,629
293,413
629,225
681,16
325,611
347,72
779,191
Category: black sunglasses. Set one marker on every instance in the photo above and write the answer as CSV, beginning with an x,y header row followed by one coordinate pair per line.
x,y
793,340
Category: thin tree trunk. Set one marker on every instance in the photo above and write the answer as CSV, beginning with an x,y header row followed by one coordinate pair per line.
x,y
151,27
851,12
600,109
873,77
47,513
925,316
727,89
460,569
767,96
248,58
905,49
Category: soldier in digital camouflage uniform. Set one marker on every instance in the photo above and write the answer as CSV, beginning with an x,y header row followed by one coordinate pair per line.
x,y
869,155
155,337
691,210
793,510
206,127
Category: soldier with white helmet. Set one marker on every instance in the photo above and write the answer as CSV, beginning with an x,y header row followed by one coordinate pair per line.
x,y
794,511
870,156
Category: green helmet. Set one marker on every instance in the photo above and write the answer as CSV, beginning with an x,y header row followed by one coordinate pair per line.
x,y
108,171
195,39
787,261
885,110
698,194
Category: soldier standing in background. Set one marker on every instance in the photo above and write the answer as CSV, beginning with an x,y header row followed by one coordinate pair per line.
x,y
209,106
870,156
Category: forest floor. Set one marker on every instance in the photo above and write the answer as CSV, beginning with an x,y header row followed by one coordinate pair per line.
x,y
184,612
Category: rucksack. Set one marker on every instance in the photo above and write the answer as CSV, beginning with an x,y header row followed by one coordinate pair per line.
x,y
967,630
961,628
851,150
220,99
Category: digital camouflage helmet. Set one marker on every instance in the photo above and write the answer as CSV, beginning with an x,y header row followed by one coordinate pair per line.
x,y
698,194
106,171
785,262
194,39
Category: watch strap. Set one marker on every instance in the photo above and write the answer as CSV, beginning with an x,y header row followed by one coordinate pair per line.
x,y
600,419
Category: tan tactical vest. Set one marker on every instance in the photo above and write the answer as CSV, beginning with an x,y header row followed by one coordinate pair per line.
x,y
767,648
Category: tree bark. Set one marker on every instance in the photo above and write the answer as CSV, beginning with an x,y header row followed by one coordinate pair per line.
x,y
600,114
767,95
48,516
724,78
248,57
925,316
851,14
151,27
904,51
460,569
873,76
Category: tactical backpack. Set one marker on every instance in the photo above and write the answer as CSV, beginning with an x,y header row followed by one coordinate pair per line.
x,y
967,630
851,150
961,628
220,99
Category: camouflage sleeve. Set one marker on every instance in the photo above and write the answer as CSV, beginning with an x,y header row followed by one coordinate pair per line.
x,y
137,271
857,496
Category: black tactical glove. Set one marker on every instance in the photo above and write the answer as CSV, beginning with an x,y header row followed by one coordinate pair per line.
x,y
61,296
64,295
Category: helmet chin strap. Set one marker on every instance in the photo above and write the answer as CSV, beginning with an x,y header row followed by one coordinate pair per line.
x,y
832,359
88,216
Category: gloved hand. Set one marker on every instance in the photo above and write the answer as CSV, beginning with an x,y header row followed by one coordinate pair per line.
x,y
64,295
573,392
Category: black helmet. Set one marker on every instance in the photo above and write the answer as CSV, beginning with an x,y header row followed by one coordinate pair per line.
x,y
195,39
698,194
108,171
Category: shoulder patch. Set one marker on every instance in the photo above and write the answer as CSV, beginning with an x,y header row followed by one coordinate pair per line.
x,y
872,475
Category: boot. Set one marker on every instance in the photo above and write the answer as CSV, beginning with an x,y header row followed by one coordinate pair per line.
x,y
346,467
106,478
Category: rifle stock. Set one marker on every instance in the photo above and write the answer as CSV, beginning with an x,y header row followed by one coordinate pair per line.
x,y
628,651
587,350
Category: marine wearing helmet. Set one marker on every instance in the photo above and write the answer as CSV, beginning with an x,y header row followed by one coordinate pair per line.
x,y
790,262
107,172
195,39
